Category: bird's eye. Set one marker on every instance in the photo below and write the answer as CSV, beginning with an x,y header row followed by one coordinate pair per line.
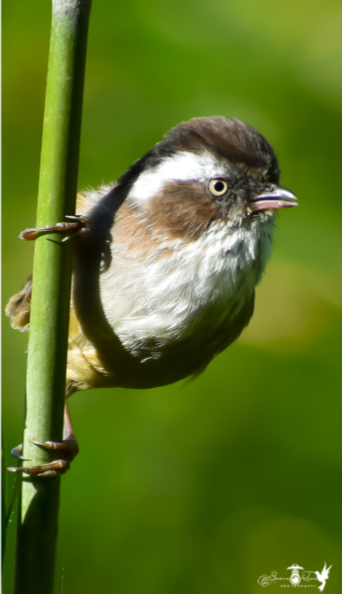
x,y
218,187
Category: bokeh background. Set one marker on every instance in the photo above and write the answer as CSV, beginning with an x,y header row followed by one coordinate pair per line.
x,y
204,486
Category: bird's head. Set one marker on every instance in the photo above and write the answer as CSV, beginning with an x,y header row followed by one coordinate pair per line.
x,y
206,170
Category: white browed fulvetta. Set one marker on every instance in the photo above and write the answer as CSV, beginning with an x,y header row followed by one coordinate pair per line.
x,y
183,237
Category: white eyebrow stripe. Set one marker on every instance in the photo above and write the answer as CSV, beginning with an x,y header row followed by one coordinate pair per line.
x,y
182,166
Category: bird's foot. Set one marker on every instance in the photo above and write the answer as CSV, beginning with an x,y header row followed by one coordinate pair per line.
x,y
78,224
68,447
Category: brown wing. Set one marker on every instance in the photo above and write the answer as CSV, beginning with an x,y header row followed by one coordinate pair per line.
x,y
18,307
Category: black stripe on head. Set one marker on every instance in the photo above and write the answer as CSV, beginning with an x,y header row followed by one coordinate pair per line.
x,y
162,150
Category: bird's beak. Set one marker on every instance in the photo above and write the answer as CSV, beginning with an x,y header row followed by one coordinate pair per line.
x,y
274,197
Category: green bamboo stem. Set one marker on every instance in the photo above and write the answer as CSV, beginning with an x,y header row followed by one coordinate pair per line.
x,y
47,351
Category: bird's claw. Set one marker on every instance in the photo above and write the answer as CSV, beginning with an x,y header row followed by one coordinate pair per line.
x,y
55,468
69,447
78,224
16,452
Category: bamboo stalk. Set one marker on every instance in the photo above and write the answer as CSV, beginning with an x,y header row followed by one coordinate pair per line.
x,y
47,351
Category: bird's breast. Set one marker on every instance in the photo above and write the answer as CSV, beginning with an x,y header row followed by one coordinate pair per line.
x,y
183,290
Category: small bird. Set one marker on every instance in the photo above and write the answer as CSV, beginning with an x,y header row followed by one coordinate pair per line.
x,y
322,577
166,260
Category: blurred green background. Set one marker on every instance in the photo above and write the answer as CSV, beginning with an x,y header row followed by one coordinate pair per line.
x,y
201,487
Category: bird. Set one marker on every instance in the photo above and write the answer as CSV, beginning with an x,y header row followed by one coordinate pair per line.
x,y
323,576
166,261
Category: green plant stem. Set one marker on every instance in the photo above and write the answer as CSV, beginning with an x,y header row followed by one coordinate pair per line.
x,y
47,352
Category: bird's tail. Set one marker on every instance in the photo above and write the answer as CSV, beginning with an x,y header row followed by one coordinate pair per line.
x,y
19,306
321,587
